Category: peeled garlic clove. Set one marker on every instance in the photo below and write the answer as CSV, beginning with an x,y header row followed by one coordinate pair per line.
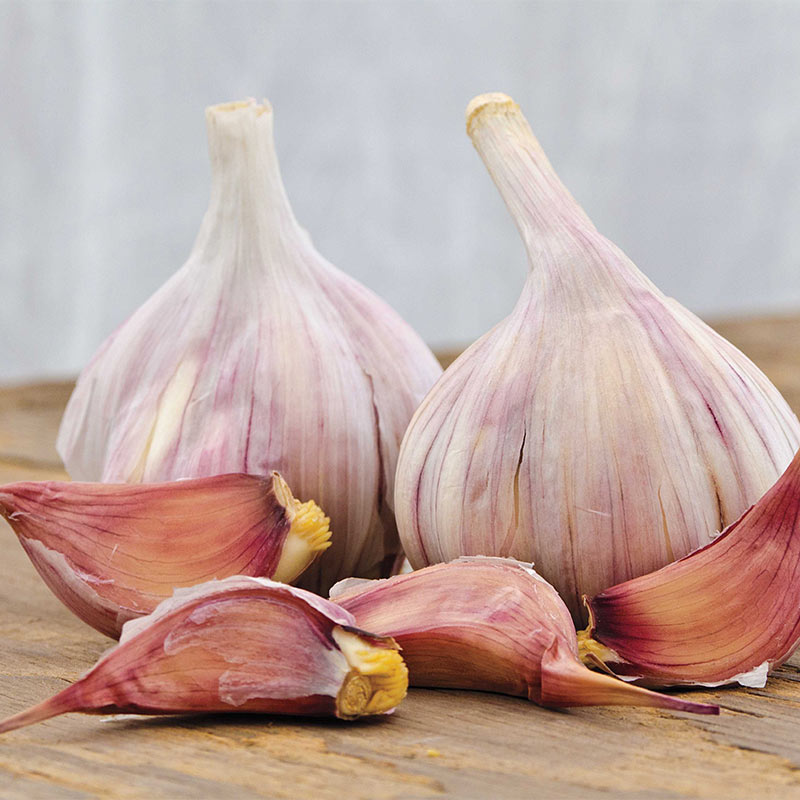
x,y
601,430
112,552
241,644
490,624
257,355
727,613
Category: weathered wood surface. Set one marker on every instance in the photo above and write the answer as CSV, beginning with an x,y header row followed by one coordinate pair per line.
x,y
438,744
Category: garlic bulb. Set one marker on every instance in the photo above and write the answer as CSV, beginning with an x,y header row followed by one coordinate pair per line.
x,y
238,645
601,430
258,355
490,624
728,613
113,551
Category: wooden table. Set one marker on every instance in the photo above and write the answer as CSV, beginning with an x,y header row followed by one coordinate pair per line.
x,y
438,743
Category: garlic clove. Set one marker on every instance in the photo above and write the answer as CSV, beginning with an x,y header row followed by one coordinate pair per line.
x,y
600,430
490,624
257,355
241,644
727,613
111,552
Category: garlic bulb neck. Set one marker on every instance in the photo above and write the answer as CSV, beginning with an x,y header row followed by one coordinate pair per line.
x,y
544,211
248,200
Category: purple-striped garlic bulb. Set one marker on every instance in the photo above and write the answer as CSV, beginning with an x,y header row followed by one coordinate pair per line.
x,y
601,430
258,355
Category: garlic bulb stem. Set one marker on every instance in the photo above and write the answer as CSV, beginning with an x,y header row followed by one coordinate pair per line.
x,y
541,206
248,199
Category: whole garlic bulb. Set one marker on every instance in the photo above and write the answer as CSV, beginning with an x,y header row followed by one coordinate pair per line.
x,y
258,355
601,430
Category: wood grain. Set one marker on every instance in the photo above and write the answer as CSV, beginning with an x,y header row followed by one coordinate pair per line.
x,y
438,744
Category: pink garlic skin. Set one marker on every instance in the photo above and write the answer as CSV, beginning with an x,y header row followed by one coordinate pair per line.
x,y
113,552
258,355
474,623
601,430
490,624
727,613
241,644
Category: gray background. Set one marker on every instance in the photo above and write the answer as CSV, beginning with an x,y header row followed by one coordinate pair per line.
x,y
675,124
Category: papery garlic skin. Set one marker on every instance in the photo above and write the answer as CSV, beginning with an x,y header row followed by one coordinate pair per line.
x,y
244,645
489,624
112,552
727,613
258,355
601,430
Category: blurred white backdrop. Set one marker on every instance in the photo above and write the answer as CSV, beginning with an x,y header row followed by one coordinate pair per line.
x,y
675,124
